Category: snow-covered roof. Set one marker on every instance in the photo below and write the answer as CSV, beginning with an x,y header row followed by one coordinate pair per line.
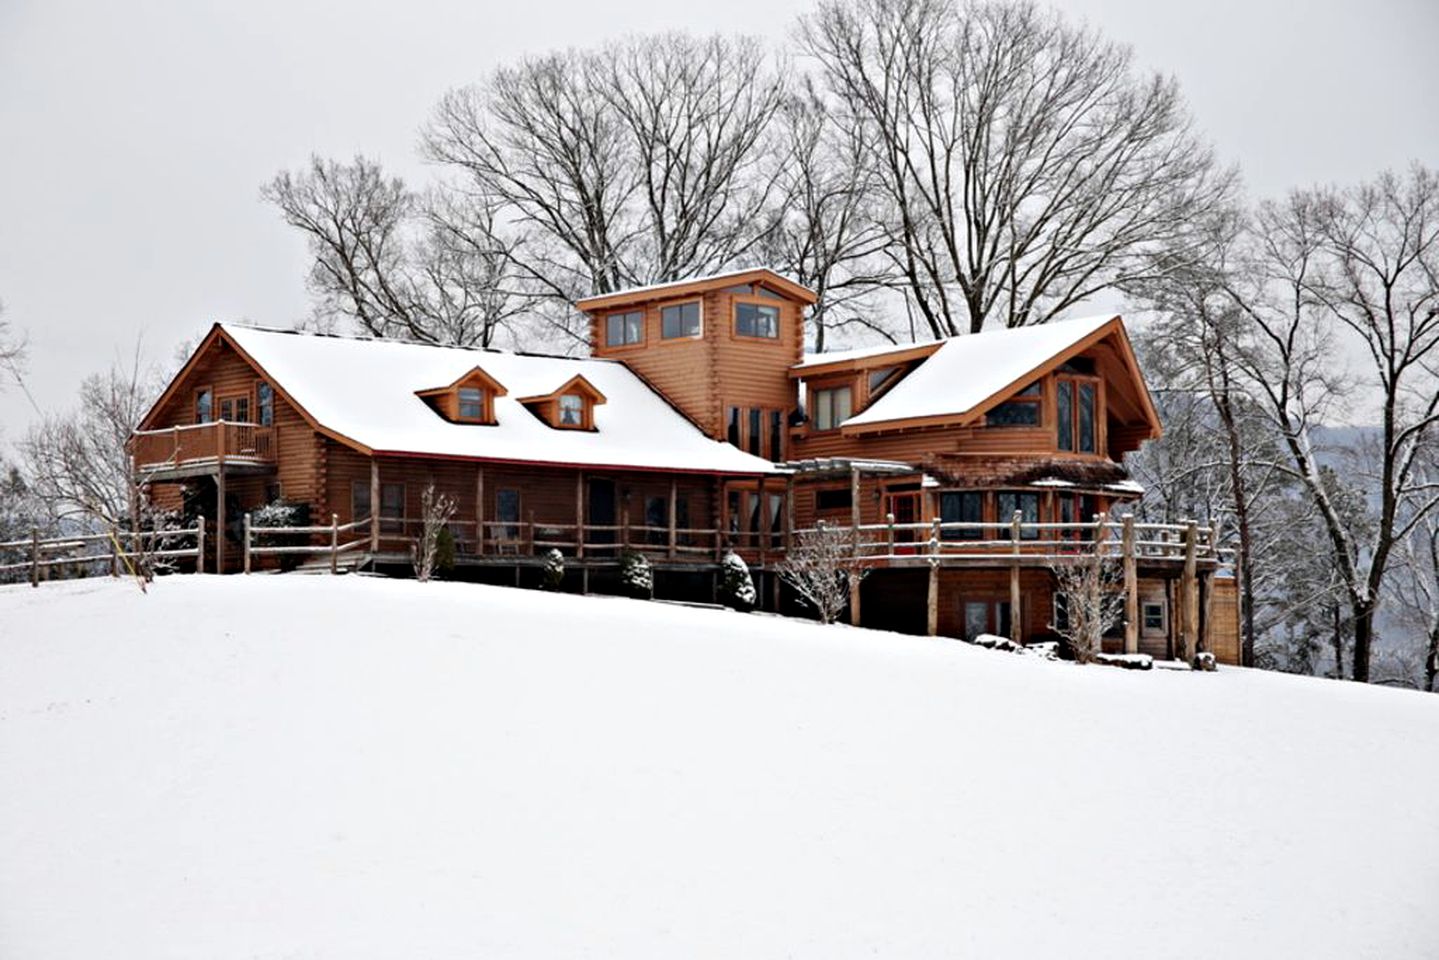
x,y
365,391
966,371
859,353
630,294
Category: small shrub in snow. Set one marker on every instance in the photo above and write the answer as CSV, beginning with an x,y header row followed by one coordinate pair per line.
x,y
736,585
1090,583
820,567
282,513
636,576
1205,661
436,509
553,572
445,552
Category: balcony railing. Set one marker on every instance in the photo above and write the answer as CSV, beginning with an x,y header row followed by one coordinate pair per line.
x,y
219,442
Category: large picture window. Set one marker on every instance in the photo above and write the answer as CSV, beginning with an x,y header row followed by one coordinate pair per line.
x,y
1022,410
265,399
756,320
204,406
680,320
831,407
392,508
623,329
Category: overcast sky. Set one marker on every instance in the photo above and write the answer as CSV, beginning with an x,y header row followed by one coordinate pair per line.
x,y
134,135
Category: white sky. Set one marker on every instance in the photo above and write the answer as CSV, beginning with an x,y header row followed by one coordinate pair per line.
x,y
134,136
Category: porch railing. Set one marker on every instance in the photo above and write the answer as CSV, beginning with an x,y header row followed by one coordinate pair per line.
x,y
218,441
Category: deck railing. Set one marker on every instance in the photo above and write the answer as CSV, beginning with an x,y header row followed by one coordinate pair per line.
x,y
215,442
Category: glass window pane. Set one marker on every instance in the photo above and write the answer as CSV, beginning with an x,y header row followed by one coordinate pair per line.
x,y
755,437
359,499
776,436
615,330
204,407
1086,418
732,433
976,619
265,396
472,403
572,410
1029,506
756,320
823,409
1064,413
680,320
841,405
1014,413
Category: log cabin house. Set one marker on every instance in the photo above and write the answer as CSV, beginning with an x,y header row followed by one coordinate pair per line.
x,y
963,469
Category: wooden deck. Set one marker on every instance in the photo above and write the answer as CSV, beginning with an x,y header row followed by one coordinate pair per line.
x,y
204,449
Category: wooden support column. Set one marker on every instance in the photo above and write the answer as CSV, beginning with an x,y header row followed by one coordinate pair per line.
x,y
764,521
931,615
1131,587
374,505
1189,590
579,514
220,518
246,541
673,519
334,544
480,510
1016,625
624,537
854,521
788,513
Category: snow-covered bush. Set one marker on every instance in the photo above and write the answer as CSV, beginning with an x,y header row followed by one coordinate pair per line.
x,y
445,552
736,585
992,641
1129,661
1205,661
1090,593
436,509
553,572
636,576
282,513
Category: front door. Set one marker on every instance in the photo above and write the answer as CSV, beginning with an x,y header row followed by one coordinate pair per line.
x,y
601,511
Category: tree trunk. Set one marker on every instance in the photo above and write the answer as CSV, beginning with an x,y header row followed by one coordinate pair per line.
x,y
1363,637
1431,661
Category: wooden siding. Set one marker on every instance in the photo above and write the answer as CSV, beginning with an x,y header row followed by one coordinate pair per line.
x,y
1224,633
703,376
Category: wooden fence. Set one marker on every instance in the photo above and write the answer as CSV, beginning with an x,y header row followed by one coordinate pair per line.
x,y
332,547
114,549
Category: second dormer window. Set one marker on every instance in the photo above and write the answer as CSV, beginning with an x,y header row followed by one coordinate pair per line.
x,y
680,320
831,407
472,403
572,410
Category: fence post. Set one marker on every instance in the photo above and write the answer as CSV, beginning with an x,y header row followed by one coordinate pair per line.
x,y
1190,592
932,599
1016,627
200,545
247,541
334,543
889,535
114,552
1131,586
34,557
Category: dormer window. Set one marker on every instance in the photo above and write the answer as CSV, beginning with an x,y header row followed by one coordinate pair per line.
x,y
470,399
571,407
472,404
572,410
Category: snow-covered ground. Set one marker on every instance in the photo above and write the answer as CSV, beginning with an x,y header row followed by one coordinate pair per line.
x,y
307,767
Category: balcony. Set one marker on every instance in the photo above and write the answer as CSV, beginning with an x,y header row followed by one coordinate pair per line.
x,y
203,449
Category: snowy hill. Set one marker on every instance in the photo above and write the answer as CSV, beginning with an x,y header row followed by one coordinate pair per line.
x,y
307,767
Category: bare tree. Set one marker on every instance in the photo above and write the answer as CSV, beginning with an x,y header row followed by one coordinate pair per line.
x,y
1358,265
12,349
638,162
820,567
430,268
1414,586
79,463
1091,585
828,235
1024,163
436,509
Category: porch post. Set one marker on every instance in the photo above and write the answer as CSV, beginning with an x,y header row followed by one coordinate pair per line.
x,y
1016,631
855,519
220,517
673,517
374,505
579,514
764,520
932,600
246,541
788,513
1131,587
480,510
